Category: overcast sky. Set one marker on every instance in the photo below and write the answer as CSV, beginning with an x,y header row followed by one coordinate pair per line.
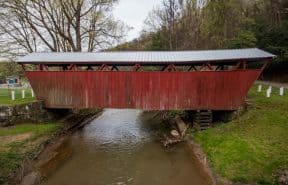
x,y
133,13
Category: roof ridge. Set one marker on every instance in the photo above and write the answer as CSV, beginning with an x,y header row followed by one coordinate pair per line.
x,y
174,51
148,56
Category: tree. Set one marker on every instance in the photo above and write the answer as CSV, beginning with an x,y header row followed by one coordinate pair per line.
x,y
165,18
244,39
222,21
216,24
189,32
157,42
10,68
59,25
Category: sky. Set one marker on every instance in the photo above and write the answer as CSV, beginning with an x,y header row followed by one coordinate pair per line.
x,y
133,13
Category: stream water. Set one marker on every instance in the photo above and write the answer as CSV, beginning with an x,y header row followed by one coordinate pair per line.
x,y
122,147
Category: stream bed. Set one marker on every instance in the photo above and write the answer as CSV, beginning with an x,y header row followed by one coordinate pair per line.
x,y
122,147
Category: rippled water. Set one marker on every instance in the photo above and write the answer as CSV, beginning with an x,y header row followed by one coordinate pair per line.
x,y
121,147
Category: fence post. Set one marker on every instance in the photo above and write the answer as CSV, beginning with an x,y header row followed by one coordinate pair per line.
x,y
270,89
259,88
282,91
268,93
23,94
32,93
13,95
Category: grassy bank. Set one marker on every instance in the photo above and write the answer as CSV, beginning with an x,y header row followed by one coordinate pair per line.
x,y
5,97
22,142
254,147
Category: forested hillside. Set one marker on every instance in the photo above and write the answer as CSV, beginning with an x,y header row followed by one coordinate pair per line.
x,y
216,24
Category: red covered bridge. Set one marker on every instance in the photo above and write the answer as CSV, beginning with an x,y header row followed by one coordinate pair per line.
x,y
186,80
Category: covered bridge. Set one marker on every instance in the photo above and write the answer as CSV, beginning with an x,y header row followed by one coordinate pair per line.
x,y
186,80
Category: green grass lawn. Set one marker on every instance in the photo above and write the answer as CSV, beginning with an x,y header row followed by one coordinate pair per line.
x,y
22,142
5,97
253,148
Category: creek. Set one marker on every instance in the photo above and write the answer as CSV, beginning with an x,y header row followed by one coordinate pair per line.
x,y
122,147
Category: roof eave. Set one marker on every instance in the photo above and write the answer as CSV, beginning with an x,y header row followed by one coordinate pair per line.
x,y
146,62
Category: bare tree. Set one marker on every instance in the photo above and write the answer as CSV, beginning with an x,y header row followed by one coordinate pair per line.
x,y
165,17
59,25
172,14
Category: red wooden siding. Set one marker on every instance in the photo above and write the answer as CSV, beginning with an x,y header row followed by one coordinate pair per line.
x,y
214,90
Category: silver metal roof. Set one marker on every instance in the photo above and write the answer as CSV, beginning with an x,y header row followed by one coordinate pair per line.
x,y
159,57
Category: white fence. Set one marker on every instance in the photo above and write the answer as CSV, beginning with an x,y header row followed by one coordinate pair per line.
x,y
269,90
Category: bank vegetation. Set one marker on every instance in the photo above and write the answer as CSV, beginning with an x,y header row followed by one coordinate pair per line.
x,y
253,148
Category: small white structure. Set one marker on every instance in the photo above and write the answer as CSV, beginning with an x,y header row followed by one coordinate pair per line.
x,y
268,92
32,93
13,95
270,89
281,91
23,94
260,88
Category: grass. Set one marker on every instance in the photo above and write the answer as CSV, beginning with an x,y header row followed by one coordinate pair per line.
x,y
5,97
22,142
37,129
254,147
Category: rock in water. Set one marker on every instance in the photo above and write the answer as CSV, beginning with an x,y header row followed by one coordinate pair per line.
x,y
175,133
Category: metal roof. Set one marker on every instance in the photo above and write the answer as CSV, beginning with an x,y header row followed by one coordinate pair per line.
x,y
153,57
